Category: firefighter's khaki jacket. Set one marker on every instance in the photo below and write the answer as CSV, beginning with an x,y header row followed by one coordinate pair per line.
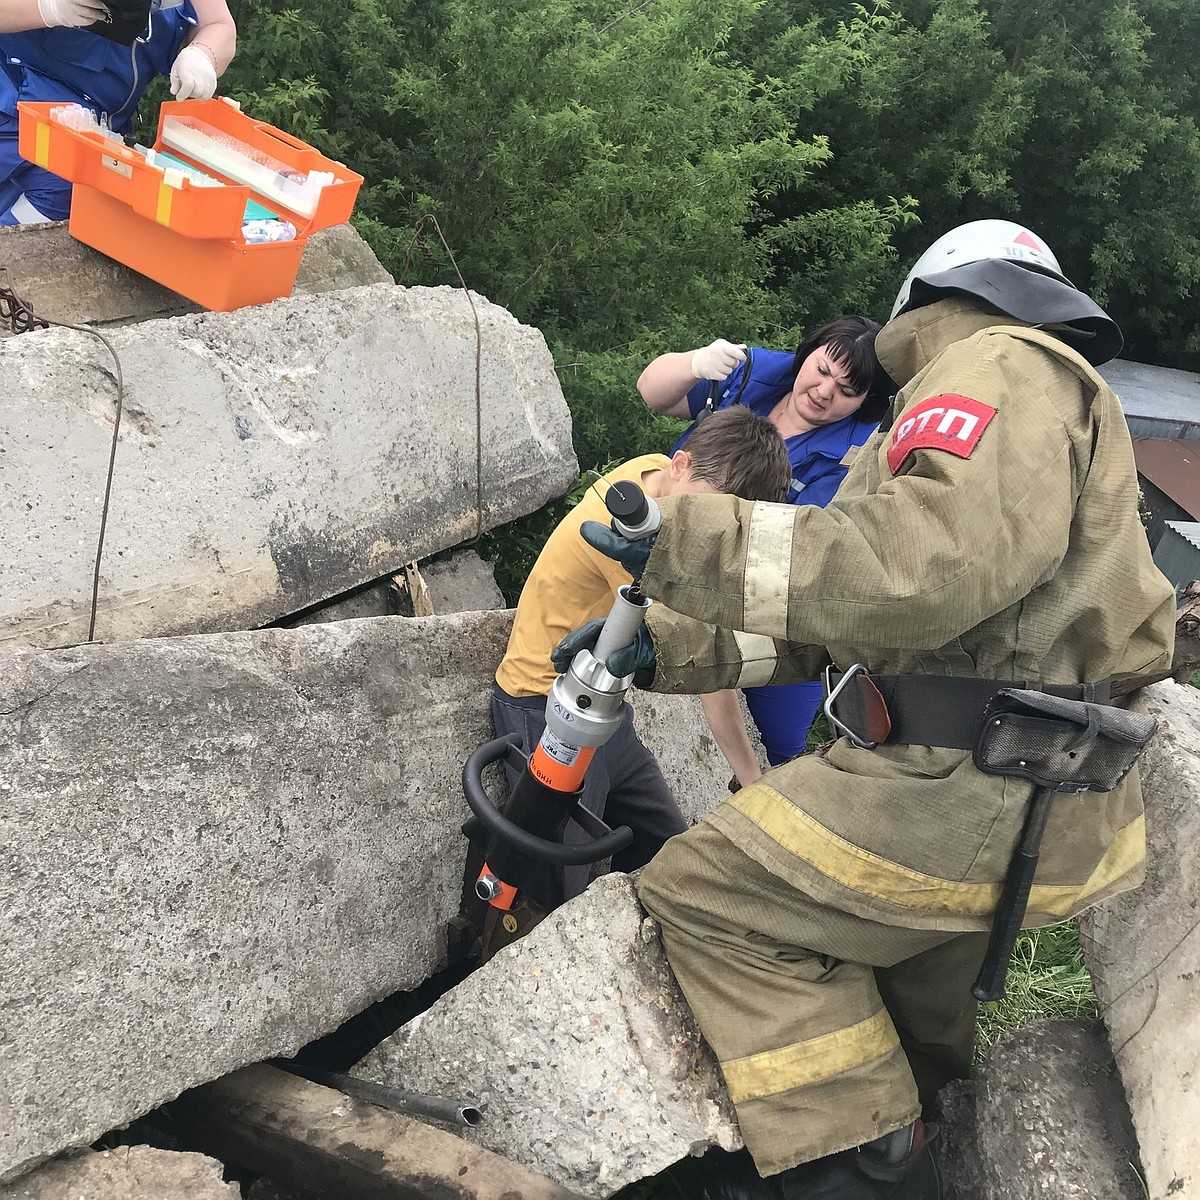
x,y
992,531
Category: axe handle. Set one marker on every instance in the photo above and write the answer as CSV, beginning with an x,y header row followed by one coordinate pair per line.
x,y
1010,912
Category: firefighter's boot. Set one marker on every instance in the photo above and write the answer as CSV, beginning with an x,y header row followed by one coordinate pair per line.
x,y
898,1166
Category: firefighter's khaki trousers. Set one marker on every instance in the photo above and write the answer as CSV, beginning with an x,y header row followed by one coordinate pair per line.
x,y
824,1023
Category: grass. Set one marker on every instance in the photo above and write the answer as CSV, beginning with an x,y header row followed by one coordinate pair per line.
x,y
1047,978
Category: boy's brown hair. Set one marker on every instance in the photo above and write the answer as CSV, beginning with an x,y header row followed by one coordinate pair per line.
x,y
738,452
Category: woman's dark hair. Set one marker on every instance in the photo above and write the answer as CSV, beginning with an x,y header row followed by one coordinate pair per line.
x,y
852,340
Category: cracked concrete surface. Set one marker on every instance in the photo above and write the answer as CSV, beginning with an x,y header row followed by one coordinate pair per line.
x,y
579,1046
268,458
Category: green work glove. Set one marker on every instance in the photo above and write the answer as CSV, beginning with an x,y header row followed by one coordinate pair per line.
x,y
636,659
631,555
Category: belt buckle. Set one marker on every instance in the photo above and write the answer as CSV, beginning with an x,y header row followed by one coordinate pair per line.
x,y
832,692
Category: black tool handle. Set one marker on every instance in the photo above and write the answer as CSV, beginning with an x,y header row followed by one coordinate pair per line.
x,y
537,848
1010,912
1006,924
635,515
626,502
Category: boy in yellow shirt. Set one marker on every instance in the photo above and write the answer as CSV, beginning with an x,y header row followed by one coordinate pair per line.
x,y
732,451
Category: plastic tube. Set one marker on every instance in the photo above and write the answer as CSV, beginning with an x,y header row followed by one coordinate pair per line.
x,y
237,160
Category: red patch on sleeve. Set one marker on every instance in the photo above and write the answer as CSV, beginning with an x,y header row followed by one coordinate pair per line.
x,y
946,422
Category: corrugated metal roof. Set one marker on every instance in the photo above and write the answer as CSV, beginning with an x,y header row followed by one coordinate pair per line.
x,y
1177,554
1163,393
1188,530
1173,468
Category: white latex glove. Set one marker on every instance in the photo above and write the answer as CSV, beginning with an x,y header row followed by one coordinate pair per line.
x,y
193,74
71,12
718,359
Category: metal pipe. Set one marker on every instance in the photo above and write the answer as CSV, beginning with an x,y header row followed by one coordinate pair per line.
x,y
416,1104
624,620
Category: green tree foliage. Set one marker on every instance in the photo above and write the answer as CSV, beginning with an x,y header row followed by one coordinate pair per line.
x,y
634,176
1111,167
1076,118
600,169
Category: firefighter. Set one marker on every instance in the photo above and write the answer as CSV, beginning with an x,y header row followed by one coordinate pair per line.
x,y
826,922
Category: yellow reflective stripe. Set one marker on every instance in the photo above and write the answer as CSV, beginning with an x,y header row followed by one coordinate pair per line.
x,y
808,840
759,659
1124,854
162,213
41,143
768,566
807,1062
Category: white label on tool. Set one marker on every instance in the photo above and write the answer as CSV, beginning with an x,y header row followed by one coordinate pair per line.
x,y
559,750
115,164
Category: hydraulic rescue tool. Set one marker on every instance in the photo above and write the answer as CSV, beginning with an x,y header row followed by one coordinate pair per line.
x,y
521,849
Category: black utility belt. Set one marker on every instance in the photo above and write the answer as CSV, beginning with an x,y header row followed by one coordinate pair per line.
x,y
1059,737
927,710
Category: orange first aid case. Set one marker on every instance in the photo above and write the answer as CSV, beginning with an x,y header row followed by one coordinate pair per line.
x,y
189,237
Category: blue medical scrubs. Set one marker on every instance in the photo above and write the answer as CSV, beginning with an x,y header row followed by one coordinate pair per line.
x,y
75,66
784,712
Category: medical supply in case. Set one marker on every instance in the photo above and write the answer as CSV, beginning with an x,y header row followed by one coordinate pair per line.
x,y
219,209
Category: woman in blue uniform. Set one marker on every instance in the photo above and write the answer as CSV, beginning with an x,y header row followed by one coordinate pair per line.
x,y
825,398
50,50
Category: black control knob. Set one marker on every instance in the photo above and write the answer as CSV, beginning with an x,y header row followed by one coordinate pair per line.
x,y
626,502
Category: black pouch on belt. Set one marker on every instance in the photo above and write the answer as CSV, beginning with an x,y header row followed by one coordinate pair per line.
x,y
1064,745
126,21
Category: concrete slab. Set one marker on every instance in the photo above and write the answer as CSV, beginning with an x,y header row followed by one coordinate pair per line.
x,y
215,849
269,458
126,1173
578,1044
64,280
379,599
1143,951
461,582
1046,1118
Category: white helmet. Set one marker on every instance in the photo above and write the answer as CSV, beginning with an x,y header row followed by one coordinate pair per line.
x,y
978,240
1012,270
